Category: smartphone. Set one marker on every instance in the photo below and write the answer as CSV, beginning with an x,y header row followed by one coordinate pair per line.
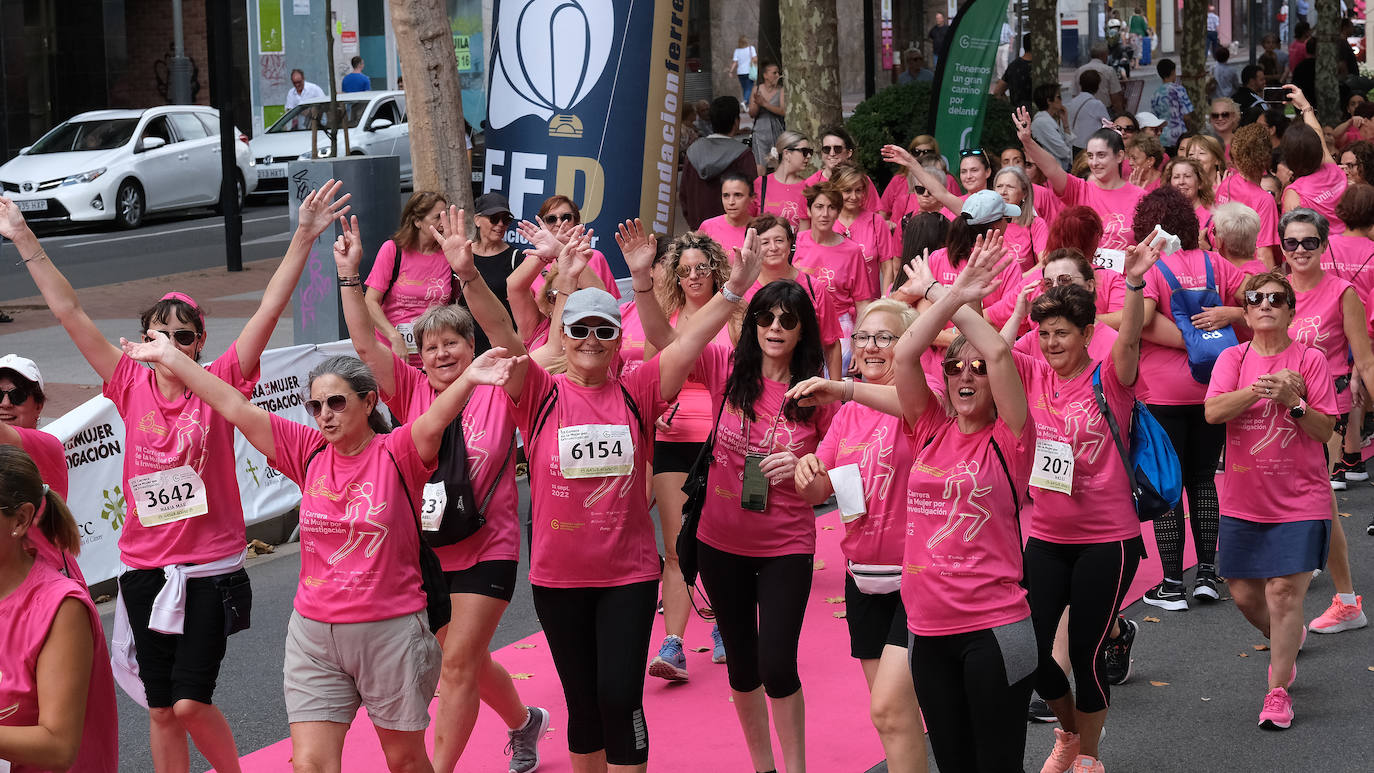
x,y
754,495
1275,95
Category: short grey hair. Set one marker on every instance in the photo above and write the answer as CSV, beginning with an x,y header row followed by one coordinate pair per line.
x,y
1237,229
1305,215
439,318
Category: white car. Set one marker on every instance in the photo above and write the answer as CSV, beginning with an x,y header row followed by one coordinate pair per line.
x,y
123,164
376,123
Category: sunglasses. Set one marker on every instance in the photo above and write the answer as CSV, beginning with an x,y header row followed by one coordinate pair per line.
x,y
966,152
1063,280
602,332
1219,116
879,340
833,150
182,337
1255,298
17,396
806,152
704,269
502,218
1308,243
336,403
1126,129
566,217
979,367
920,190
786,319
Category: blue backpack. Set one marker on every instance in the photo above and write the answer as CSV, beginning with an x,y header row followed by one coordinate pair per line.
x,y
1204,346
1151,464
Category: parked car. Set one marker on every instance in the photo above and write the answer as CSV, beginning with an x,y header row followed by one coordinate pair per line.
x,y
375,122
123,164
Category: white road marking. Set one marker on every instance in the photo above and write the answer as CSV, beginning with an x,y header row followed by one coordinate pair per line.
x,y
125,237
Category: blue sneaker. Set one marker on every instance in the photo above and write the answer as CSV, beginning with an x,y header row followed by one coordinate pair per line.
x,y
671,662
718,651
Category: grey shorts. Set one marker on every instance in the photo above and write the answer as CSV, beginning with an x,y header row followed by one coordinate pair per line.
x,y
390,666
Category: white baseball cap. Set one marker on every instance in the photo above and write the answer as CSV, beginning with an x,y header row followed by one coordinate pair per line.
x,y
591,303
986,206
1148,120
24,367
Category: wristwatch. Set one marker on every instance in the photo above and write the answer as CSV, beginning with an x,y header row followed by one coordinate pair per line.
x,y
1299,410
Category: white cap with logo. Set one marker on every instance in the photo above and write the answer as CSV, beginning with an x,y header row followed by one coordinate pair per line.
x,y
24,367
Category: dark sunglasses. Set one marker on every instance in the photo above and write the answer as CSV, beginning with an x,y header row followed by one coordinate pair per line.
x,y
501,218
182,337
602,332
979,367
806,152
786,319
1308,243
1219,116
336,403
1255,298
684,271
1127,129
833,150
566,217
920,190
17,396
966,152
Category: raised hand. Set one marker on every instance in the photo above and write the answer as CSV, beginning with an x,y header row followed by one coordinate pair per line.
x,y
320,209
637,245
817,390
452,236
1023,298
1021,119
919,277
157,349
748,262
896,154
575,255
348,248
12,223
493,367
547,243
1140,257
979,279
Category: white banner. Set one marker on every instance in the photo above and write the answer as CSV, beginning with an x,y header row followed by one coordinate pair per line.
x,y
93,435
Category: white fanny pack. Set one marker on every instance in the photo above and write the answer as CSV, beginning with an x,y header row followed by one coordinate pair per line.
x,y
876,579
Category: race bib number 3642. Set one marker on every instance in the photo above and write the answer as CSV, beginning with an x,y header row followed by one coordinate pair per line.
x,y
169,495
595,451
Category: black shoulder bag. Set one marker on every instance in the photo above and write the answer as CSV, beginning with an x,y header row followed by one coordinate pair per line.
x,y
462,516
695,489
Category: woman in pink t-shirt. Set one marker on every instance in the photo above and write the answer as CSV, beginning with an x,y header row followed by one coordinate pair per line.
x,y
1318,181
834,261
866,228
737,197
1251,155
1027,232
780,193
872,442
837,148
1064,266
173,438
57,691
1274,395
480,568
1186,176
1146,157
409,276
775,242
1235,228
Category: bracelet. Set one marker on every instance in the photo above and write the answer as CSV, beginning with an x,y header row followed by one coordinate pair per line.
x,y
40,255
729,296
637,290
1134,288
932,284
350,281
848,390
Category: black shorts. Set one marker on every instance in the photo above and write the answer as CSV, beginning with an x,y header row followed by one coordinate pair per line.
x,y
874,621
485,578
675,457
176,667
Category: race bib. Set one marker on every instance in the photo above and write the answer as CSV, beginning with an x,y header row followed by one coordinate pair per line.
x,y
1053,470
1110,259
169,495
595,451
407,331
432,505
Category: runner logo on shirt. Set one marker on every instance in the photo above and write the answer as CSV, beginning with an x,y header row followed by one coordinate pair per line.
x,y
148,423
1308,330
192,435
1078,422
1279,426
1113,227
876,456
960,490
358,514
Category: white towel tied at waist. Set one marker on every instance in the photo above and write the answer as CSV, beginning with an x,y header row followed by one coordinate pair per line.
x,y
168,616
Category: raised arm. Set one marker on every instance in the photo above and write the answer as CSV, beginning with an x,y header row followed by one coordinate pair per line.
x,y
1045,160
1011,329
1309,117
58,293
1126,350
493,367
819,390
524,308
572,263
913,394
639,247
919,174
348,256
676,361
316,213
225,400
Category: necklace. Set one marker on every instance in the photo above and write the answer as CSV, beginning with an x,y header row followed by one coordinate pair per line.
x,y
1076,374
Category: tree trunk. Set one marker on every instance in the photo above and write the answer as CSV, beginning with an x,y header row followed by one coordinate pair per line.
x,y
810,45
1193,60
1327,100
434,100
1043,23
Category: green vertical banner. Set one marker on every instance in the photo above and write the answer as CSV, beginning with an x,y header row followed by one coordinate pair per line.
x,y
965,75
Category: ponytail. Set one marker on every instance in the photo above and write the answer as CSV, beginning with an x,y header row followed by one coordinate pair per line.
x,y
57,523
21,483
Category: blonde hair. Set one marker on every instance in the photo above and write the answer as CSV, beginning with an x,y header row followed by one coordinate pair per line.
x,y
670,295
1205,195
1236,227
903,313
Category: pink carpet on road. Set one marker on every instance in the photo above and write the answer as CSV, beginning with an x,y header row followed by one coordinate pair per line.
x,y
696,720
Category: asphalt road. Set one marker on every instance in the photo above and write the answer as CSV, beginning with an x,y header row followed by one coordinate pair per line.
x,y
1191,703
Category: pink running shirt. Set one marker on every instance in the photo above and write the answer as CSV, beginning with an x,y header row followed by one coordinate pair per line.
x,y
425,280
871,202
1320,191
1047,205
1319,323
1352,258
874,441
840,268
785,201
875,238
597,265
694,416
1026,242
1164,375
1237,188
728,236
1116,206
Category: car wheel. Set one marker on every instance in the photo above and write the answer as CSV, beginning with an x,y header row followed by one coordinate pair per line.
x,y
240,189
129,205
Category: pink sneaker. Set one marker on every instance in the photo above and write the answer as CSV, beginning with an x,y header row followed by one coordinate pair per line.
x,y
1086,764
1063,754
1277,713
1292,676
1341,617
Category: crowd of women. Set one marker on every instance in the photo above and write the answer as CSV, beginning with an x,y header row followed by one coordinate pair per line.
x,y
960,363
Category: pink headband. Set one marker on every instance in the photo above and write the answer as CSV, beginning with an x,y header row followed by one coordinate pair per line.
x,y
186,299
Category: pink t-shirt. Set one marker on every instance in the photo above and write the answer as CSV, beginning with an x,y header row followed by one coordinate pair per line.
x,y
28,612
1320,191
1237,188
360,535
50,458
728,236
1100,508
1000,304
1352,258
596,264
1164,375
1111,290
633,342
871,201
875,238
895,196
784,200
1116,207
1047,205
590,532
163,434
873,440
1319,323
840,268
963,542
488,432
1026,242
693,414
826,317
789,524
1274,472
425,280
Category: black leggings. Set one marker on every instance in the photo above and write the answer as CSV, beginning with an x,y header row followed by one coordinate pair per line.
x,y
976,720
1091,580
759,605
1198,445
599,640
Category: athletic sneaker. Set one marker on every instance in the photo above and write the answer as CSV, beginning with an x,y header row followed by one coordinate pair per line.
x,y
1355,471
670,663
523,746
1063,754
1338,482
1167,595
1292,675
718,650
1086,764
1205,587
1277,713
1118,652
1040,711
1341,617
